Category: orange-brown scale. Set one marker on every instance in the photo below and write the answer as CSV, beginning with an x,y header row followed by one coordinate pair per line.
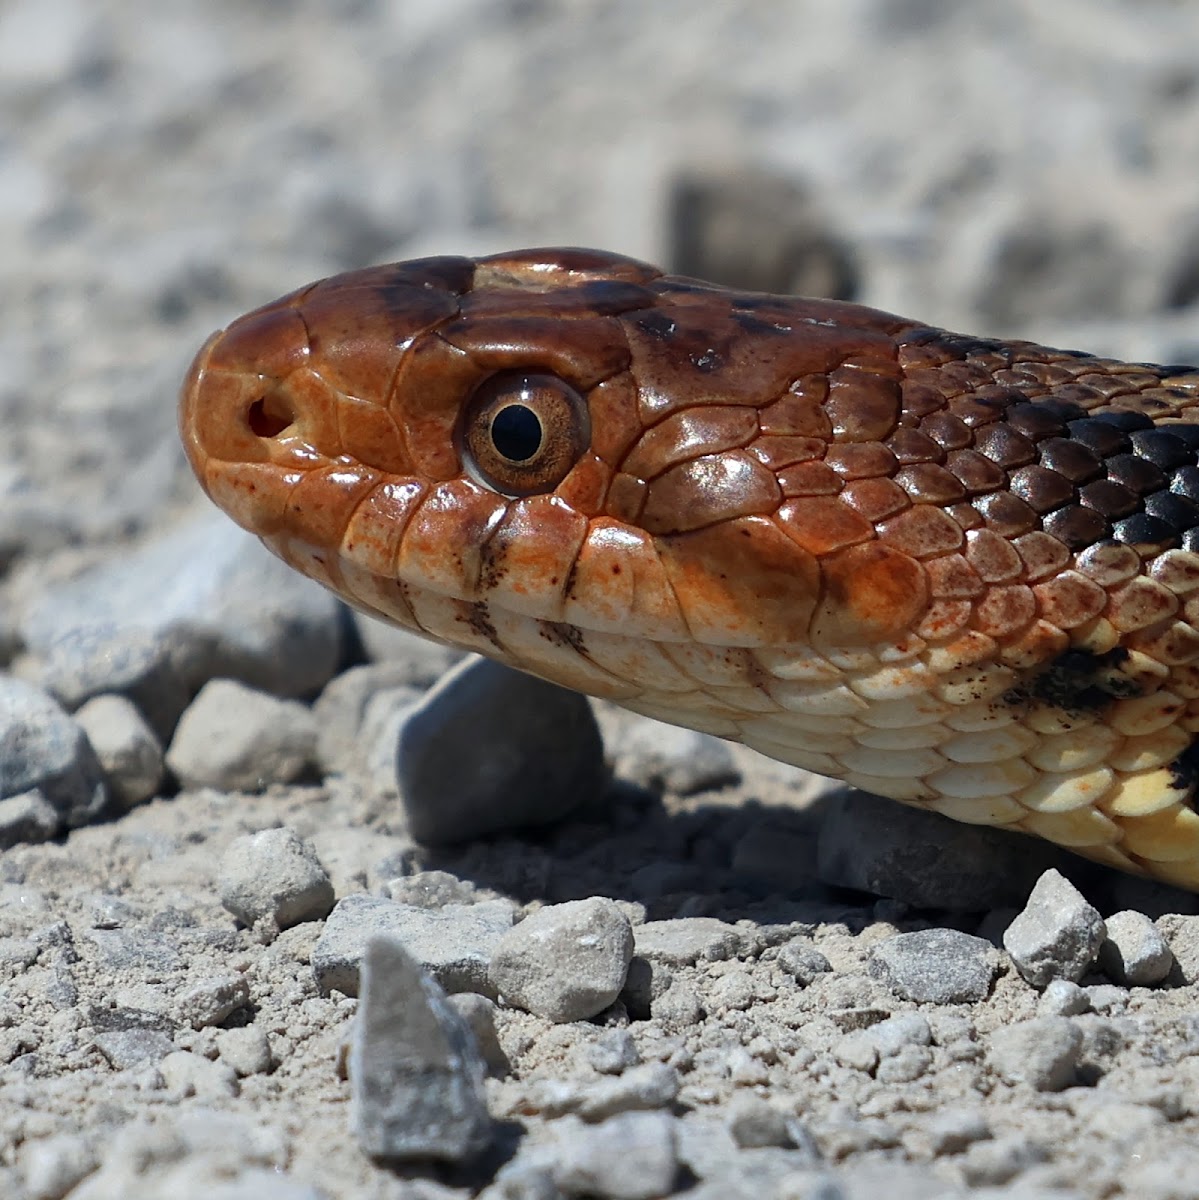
x,y
971,563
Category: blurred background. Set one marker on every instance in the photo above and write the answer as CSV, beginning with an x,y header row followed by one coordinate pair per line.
x,y
1018,169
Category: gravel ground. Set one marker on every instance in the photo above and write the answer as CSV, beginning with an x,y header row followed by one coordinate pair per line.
x,y
658,965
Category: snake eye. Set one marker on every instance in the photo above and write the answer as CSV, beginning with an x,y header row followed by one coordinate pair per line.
x,y
521,434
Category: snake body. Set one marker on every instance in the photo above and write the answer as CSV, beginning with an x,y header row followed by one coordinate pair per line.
x,y
956,571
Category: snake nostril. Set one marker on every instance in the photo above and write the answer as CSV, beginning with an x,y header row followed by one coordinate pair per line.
x,y
269,416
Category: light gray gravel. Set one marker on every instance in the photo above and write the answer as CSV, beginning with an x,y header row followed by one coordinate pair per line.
x,y
1134,951
938,966
274,879
1057,935
128,750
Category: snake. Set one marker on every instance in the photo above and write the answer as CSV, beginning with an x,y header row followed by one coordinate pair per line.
x,y
960,572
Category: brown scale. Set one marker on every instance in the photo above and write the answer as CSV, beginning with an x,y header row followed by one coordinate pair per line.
x,y
761,475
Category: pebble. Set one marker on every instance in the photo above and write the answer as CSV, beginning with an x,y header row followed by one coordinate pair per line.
x,y
612,1052
247,1050
491,749
936,966
642,1088
235,738
667,758
27,817
129,751
212,596
924,859
188,1074
90,661
633,1156
755,1123
564,962
43,749
273,879
128,1048
802,961
453,944
683,941
416,1075
341,708
479,1014
1063,998
1134,951
1043,1052
212,1001
1057,934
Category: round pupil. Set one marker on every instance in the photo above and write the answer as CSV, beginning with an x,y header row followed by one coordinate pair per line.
x,y
516,433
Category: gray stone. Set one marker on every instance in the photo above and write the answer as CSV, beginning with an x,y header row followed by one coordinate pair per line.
x,y
44,749
642,1088
129,751
246,1049
126,1048
612,1052
453,944
1134,951
936,966
188,1074
1043,1053
212,1001
490,749
237,739
684,941
802,961
89,661
633,1156
221,604
924,859
1063,998
27,817
415,1073
341,708
274,877
1057,935
565,962
756,1123
479,1014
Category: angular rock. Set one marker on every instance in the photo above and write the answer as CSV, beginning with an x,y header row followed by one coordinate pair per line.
x,y
685,940
490,749
802,961
565,962
1057,935
453,944
936,966
274,877
924,859
218,602
237,739
1044,1052
43,749
1134,951
415,1073
129,751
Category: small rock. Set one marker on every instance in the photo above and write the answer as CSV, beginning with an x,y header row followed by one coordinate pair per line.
x,y
479,1014
211,594
565,962
416,1076
640,1089
1063,998
664,757
756,1123
129,751
936,966
924,859
490,749
129,1048
53,1166
801,960
686,940
429,889
633,1156
679,1007
212,1001
27,817
1134,951
341,709
1044,1052
612,1052
90,661
187,1074
274,877
247,1050
42,748
237,739
1057,935
453,944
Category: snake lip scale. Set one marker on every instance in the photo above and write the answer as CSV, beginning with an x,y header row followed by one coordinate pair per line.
x,y
956,571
